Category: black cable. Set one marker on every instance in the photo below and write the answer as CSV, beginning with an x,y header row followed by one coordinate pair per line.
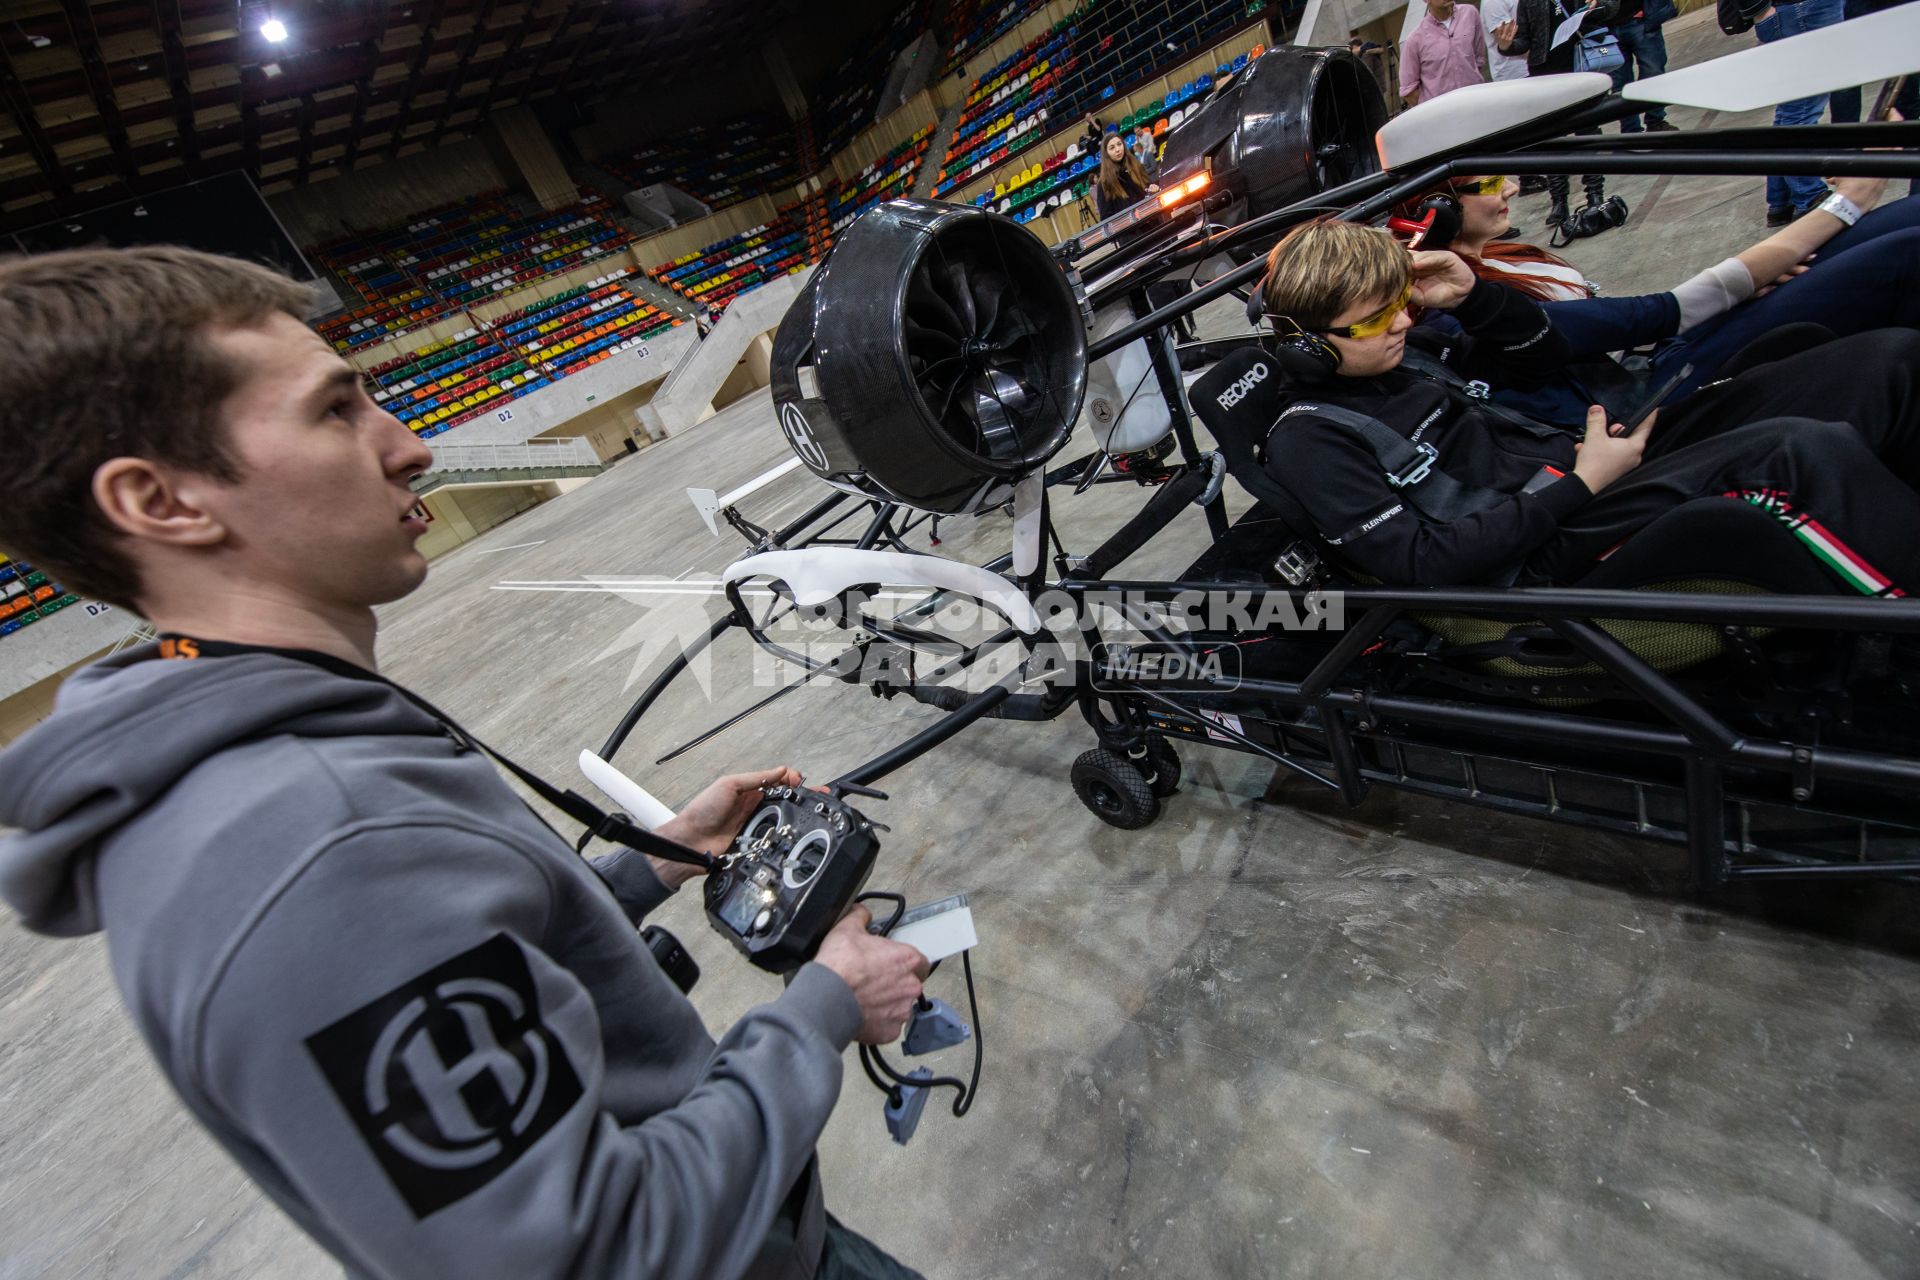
x,y
966,1091
899,902
870,1055
866,1064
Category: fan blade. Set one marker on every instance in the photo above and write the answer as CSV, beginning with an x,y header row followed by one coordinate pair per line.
x,y
929,309
947,400
998,399
919,335
1015,326
1860,50
954,276
988,293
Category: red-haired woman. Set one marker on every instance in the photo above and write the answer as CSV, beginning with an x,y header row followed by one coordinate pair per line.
x,y
1867,276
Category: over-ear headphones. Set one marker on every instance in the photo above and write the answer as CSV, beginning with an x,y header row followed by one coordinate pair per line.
x,y
1433,222
1304,355
1257,300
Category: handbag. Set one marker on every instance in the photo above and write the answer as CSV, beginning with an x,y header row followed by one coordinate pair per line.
x,y
1595,50
1598,50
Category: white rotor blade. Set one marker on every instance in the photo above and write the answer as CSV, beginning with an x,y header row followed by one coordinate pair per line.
x,y
710,504
1855,52
636,800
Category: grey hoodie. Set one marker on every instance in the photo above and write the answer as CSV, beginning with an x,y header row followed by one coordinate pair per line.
x,y
414,1015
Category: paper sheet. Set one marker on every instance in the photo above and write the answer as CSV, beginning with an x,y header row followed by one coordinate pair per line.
x,y
938,929
1564,32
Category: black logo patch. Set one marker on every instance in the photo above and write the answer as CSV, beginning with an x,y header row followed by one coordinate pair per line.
x,y
451,1076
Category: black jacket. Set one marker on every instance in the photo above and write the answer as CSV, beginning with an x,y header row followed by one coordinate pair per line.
x,y
1536,21
1496,336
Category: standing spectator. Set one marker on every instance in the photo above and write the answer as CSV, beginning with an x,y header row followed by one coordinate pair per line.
x,y
1122,182
1644,47
1145,151
1531,33
1788,198
1495,14
1095,131
1501,66
1372,56
1445,50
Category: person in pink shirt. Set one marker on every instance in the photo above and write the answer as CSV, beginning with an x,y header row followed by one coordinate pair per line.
x,y
1446,50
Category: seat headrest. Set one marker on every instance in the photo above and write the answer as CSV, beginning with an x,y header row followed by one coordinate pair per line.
x,y
1239,399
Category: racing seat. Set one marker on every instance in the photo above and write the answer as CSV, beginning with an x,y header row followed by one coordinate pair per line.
x,y
1242,396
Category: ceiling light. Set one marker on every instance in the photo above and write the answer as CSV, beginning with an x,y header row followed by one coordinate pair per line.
x,y
38,42
274,30
272,69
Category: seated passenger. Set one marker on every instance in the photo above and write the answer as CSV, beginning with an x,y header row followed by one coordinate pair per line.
x,y
1866,276
1508,499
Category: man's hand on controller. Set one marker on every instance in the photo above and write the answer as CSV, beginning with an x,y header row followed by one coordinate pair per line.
x,y
885,975
711,820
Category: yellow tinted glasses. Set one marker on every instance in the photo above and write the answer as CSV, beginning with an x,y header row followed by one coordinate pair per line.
x,y
1377,323
1479,186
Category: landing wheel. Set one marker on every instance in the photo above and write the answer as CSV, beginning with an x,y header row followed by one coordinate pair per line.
x,y
1117,792
1160,766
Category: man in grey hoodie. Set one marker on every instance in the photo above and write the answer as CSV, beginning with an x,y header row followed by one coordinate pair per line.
x,y
423,1024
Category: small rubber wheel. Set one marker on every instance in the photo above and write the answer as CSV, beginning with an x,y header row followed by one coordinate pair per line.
x,y
1116,792
1160,766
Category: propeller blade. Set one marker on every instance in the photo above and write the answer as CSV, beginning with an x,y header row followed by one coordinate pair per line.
x,y
988,292
919,335
959,294
1860,50
929,309
1014,327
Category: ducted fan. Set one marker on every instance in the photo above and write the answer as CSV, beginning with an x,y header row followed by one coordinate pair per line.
x,y
937,356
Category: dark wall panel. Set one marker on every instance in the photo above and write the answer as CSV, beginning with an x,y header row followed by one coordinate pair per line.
x,y
222,214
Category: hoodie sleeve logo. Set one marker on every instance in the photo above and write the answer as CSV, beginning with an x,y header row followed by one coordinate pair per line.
x,y
452,1076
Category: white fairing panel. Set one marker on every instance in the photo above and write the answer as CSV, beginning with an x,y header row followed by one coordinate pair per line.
x,y
1124,409
818,574
1862,50
1476,111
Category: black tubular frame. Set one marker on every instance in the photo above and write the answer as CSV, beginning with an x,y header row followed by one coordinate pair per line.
x,y
1757,152
1342,710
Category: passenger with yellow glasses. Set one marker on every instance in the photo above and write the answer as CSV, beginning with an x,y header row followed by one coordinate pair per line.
x,y
1393,455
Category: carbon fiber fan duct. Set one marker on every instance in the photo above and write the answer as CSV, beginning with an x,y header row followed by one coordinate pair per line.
x,y
1295,123
936,357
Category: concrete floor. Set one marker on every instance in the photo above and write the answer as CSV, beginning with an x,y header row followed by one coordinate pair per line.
x,y
1255,1039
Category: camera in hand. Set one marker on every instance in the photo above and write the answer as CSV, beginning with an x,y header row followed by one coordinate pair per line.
x,y
789,876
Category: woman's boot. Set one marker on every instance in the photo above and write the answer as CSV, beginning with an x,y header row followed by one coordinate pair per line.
x,y
1557,189
1595,185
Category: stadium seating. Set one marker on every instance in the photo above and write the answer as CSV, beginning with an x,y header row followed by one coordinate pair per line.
x,y
1068,174
845,102
1094,55
485,368
978,23
798,234
891,175
26,596
718,165
409,275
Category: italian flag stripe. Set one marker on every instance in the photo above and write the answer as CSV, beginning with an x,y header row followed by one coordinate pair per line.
x,y
1837,555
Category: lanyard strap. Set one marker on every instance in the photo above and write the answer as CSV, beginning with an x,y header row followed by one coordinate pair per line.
x,y
612,827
